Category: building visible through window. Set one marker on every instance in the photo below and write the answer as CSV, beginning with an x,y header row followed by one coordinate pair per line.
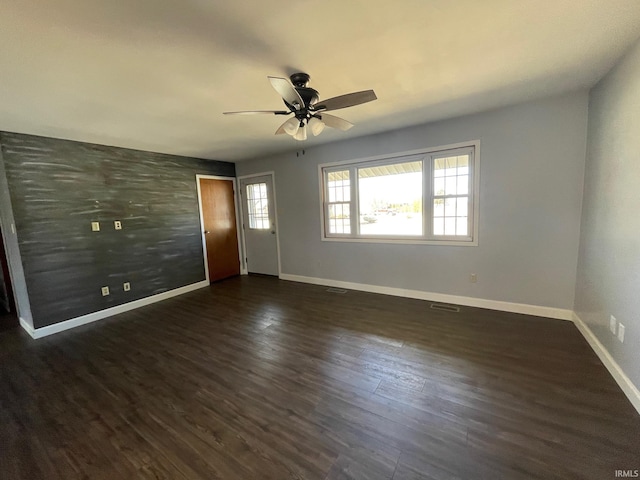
x,y
424,197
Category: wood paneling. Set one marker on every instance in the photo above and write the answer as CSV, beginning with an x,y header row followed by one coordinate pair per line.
x,y
261,378
59,187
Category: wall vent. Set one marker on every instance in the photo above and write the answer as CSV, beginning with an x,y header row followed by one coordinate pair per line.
x,y
444,307
336,290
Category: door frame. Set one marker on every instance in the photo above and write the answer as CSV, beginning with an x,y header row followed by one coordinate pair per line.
x,y
275,215
241,256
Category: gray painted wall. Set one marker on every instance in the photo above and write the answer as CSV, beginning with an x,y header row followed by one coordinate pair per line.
x,y
4,293
12,249
58,187
531,179
609,263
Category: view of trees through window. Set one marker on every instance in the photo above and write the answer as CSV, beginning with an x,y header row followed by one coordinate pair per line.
x,y
390,199
421,196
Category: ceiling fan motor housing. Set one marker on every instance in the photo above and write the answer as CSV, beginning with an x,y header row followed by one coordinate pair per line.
x,y
302,101
309,95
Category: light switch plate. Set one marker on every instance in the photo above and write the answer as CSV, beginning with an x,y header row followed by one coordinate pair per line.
x,y
621,333
613,324
126,286
95,226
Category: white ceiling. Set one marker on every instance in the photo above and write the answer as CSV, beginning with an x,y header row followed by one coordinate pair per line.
x,y
157,74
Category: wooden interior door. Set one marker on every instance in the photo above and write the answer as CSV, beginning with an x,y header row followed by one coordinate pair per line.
x,y
220,229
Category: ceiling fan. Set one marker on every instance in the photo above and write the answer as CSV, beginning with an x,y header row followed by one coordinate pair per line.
x,y
308,112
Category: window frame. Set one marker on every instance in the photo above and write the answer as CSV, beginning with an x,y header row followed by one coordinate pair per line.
x,y
251,212
428,156
328,204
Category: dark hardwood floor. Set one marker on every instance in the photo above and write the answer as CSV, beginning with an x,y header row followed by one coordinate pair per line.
x,y
257,378
8,320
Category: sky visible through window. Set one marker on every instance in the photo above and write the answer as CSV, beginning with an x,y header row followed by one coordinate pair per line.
x,y
390,198
391,204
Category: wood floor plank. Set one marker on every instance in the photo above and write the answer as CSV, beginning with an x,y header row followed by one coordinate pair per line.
x,y
260,378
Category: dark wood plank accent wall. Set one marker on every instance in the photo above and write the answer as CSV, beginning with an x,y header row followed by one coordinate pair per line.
x,y
58,187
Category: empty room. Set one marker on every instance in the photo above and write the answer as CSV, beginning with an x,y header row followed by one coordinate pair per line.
x,y
320,240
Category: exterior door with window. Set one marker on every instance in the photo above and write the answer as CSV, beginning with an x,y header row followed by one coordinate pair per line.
x,y
259,225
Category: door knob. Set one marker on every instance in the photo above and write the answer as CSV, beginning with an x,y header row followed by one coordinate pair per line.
x,y
273,232
206,231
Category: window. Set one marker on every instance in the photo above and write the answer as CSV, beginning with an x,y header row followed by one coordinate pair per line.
x,y
258,206
339,201
451,195
423,197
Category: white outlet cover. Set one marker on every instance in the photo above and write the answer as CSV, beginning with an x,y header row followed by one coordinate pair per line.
x,y
117,225
105,291
95,226
621,333
126,286
613,323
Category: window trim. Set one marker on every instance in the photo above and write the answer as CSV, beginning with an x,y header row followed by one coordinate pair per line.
x,y
251,214
427,238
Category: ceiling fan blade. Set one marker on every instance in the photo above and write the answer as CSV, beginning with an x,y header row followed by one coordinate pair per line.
x,y
335,122
287,92
258,112
347,100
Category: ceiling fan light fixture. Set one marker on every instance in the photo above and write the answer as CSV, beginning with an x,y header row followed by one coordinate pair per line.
x,y
316,125
301,134
291,126
309,112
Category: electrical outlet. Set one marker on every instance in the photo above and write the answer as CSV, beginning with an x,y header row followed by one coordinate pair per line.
x,y
105,291
621,333
473,278
95,226
613,323
126,286
117,225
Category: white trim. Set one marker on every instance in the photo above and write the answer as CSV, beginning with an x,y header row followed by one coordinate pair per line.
x,y
476,192
400,241
27,327
250,175
389,156
271,174
108,312
275,213
624,382
243,268
403,240
537,310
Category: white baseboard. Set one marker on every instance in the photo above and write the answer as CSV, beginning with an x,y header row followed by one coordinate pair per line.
x,y
92,317
625,383
26,326
539,311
